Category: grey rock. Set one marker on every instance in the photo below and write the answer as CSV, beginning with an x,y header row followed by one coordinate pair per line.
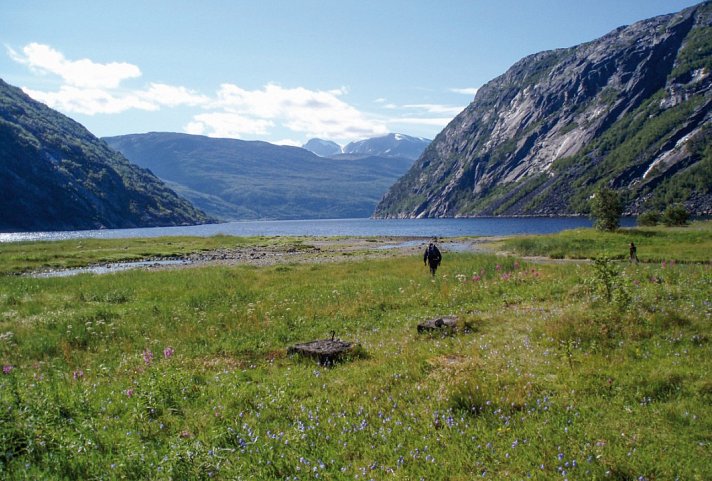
x,y
630,110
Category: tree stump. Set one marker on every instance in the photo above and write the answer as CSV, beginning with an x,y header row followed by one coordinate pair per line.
x,y
448,323
325,351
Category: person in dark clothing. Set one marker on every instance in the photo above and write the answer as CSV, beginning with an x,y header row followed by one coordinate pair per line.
x,y
633,253
432,257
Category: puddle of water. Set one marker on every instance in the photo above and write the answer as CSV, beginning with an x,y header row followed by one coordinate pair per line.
x,y
411,243
108,268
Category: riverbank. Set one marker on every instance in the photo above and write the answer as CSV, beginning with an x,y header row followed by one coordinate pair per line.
x,y
262,252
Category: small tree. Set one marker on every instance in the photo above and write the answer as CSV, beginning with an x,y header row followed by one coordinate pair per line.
x,y
675,214
606,209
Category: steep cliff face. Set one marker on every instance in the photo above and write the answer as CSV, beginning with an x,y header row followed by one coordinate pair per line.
x,y
55,175
630,110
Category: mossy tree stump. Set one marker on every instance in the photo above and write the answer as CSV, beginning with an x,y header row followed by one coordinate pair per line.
x,y
439,324
325,351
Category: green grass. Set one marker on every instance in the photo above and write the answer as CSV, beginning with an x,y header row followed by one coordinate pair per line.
x,y
692,243
552,378
18,257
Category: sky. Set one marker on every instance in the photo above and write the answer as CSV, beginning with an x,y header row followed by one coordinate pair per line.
x,y
284,71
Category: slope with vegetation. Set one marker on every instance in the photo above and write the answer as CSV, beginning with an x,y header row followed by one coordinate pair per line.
x,y
630,111
236,179
56,175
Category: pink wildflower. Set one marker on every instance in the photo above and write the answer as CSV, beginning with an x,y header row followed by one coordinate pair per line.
x,y
168,352
147,357
476,278
129,392
498,267
664,264
7,369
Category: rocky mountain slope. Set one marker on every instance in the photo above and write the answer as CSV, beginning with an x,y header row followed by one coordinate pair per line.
x,y
630,110
55,175
236,179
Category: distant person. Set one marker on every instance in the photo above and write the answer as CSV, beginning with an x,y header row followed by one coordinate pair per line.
x,y
633,253
432,257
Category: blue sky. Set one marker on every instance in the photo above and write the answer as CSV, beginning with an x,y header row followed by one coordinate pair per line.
x,y
284,71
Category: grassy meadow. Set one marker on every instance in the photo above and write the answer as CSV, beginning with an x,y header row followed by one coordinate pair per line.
x,y
565,371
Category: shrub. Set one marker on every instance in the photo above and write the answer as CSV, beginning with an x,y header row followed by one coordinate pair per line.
x,y
649,218
675,215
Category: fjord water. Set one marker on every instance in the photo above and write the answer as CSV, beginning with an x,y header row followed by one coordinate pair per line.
x,y
490,226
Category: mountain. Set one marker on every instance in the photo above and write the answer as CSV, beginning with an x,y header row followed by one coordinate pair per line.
x,y
56,175
391,145
236,179
323,148
630,110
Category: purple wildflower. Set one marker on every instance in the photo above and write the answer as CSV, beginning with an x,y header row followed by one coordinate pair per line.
x,y
7,369
147,357
78,374
168,352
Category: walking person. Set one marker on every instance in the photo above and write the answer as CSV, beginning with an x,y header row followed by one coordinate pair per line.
x,y
633,253
432,257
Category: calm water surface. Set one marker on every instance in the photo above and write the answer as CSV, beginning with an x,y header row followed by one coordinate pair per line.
x,y
336,227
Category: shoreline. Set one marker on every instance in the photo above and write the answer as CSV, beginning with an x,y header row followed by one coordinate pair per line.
x,y
312,250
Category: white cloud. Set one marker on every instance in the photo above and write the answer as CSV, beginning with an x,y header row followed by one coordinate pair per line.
x,y
226,124
78,73
91,101
472,91
172,96
288,142
315,113
436,108
91,88
429,121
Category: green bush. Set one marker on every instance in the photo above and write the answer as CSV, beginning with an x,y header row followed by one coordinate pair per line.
x,y
649,218
675,215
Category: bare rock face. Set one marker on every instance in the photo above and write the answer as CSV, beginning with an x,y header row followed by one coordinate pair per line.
x,y
630,110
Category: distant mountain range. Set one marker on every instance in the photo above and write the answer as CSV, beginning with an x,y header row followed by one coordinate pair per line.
x,y
55,175
630,110
234,179
391,145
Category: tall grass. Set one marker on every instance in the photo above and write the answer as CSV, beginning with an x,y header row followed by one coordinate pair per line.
x,y
655,244
183,374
